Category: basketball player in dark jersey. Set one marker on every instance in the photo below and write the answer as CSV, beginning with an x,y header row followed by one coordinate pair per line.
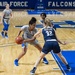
x,y
51,43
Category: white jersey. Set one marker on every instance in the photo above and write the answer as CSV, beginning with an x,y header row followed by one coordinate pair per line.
x,y
27,33
7,13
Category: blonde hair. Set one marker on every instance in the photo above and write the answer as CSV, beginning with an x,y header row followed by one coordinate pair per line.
x,y
47,22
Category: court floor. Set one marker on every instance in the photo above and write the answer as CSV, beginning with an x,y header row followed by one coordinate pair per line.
x,y
9,50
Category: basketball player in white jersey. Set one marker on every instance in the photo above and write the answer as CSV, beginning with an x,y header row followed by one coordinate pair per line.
x,y
28,33
5,20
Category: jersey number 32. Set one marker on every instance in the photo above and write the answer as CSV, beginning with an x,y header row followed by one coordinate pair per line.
x,y
49,33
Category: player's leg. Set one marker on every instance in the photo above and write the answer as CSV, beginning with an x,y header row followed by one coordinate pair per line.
x,y
7,27
64,60
37,62
46,49
37,45
6,32
24,47
2,34
56,49
3,30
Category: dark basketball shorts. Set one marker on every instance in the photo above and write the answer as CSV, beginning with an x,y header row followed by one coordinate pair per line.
x,y
51,45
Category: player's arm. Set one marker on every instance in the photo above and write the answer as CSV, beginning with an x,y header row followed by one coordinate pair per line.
x,y
19,33
29,40
21,30
63,43
41,23
38,33
2,17
11,13
11,16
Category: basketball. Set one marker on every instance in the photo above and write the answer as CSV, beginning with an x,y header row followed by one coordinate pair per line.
x,y
19,40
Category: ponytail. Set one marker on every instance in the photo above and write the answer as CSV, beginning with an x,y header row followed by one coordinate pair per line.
x,y
47,22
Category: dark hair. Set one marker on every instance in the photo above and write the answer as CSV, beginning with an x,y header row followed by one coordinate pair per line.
x,y
31,22
44,14
33,19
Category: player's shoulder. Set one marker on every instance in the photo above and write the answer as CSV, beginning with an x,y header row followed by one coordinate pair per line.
x,y
10,10
4,10
24,26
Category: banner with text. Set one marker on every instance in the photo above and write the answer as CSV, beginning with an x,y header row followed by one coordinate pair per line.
x,y
31,4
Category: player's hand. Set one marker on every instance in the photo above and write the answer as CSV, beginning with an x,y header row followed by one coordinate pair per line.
x,y
64,43
24,41
17,36
33,38
1,22
29,40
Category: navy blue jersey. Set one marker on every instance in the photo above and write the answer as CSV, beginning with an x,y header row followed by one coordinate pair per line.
x,y
48,33
50,41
